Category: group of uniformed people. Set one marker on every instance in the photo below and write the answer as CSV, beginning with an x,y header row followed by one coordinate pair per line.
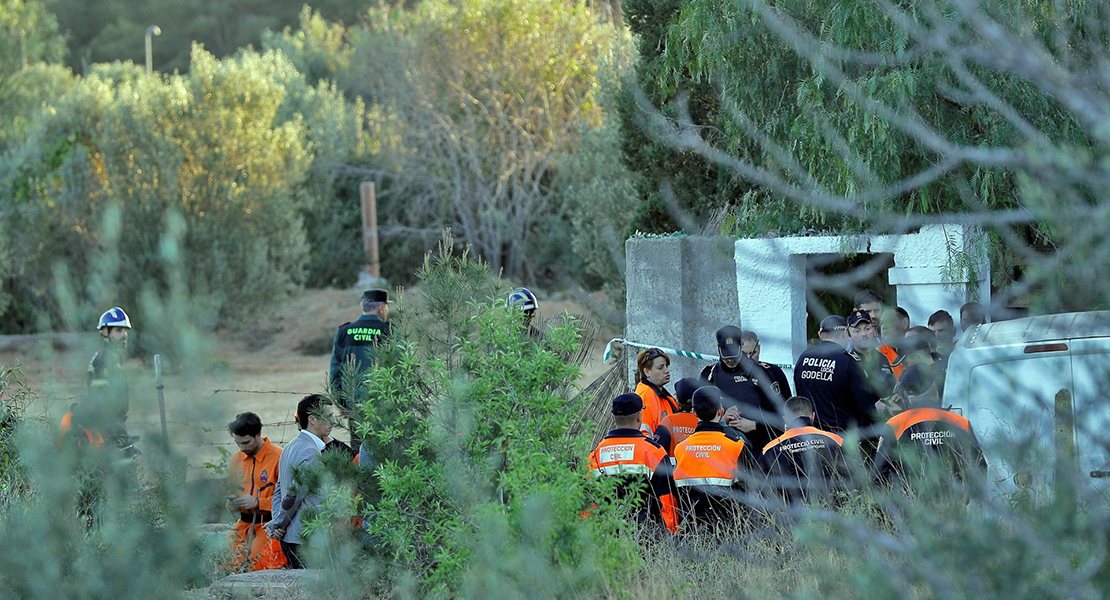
x,y
735,430
736,434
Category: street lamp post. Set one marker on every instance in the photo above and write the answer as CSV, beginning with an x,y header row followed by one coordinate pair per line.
x,y
151,31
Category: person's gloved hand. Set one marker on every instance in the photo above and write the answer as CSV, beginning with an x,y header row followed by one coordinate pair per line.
x,y
245,502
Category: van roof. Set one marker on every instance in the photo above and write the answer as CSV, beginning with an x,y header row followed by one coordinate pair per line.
x,y
1042,328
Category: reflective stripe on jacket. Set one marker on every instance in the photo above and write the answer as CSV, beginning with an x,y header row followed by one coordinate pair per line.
x,y
658,403
708,458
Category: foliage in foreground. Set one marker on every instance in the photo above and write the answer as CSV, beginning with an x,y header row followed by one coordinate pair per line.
x,y
477,484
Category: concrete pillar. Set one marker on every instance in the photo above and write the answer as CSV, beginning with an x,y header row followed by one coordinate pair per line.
x,y
941,267
680,291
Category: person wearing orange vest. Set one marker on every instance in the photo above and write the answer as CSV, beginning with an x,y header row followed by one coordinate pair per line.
x,y
640,461
804,462
926,433
252,475
714,464
653,372
895,323
678,426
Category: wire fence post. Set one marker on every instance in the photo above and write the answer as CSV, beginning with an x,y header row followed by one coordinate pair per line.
x,y
161,397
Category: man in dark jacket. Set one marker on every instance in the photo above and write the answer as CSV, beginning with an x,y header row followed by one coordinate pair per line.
x,y
804,462
753,395
927,436
826,374
354,346
102,416
864,348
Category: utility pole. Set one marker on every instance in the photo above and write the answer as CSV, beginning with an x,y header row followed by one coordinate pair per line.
x,y
370,228
151,31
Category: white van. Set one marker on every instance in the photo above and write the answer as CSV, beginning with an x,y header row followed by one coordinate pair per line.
x,y
1035,391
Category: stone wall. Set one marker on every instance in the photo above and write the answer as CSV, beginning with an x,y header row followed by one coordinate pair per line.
x,y
679,292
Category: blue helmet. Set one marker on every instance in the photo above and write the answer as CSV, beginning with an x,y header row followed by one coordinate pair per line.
x,y
115,317
524,299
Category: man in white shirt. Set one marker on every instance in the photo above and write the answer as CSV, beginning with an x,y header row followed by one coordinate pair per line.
x,y
299,454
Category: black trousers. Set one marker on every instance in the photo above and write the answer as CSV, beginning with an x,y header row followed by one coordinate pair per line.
x,y
292,555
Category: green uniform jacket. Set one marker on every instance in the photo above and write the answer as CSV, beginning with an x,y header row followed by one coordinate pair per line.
x,y
357,339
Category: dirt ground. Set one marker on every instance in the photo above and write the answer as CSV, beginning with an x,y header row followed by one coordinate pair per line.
x,y
264,371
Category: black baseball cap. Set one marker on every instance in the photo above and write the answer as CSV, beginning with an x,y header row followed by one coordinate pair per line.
x,y
708,397
834,323
684,389
858,316
375,296
728,341
627,404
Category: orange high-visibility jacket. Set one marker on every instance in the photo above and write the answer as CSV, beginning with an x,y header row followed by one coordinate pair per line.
x,y
628,453
711,456
658,403
892,357
255,475
933,430
675,428
66,426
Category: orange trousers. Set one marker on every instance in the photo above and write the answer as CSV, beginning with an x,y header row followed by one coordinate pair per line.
x,y
264,552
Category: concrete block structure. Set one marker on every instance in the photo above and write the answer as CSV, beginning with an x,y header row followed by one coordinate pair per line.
x,y
680,291
678,295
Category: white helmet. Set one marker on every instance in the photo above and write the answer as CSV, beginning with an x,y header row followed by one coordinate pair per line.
x,y
115,317
524,299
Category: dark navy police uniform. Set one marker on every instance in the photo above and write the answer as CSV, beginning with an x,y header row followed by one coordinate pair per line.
x,y
841,394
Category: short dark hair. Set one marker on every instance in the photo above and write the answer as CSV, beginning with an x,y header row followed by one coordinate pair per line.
x,y
921,330
865,297
972,313
246,423
902,312
707,402
626,421
308,405
799,405
940,315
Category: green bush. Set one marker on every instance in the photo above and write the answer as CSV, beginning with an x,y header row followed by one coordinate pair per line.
x,y
477,485
237,149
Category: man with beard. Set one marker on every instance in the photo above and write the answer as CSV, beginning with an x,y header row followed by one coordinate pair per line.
x,y
752,395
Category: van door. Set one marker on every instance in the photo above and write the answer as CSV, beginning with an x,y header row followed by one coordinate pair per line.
x,y
1012,408
1091,371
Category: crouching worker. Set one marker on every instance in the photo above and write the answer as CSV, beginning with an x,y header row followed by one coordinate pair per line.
x,y
252,475
640,462
804,462
714,465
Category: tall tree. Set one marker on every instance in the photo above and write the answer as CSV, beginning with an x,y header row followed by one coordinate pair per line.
x,y
481,95
862,116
